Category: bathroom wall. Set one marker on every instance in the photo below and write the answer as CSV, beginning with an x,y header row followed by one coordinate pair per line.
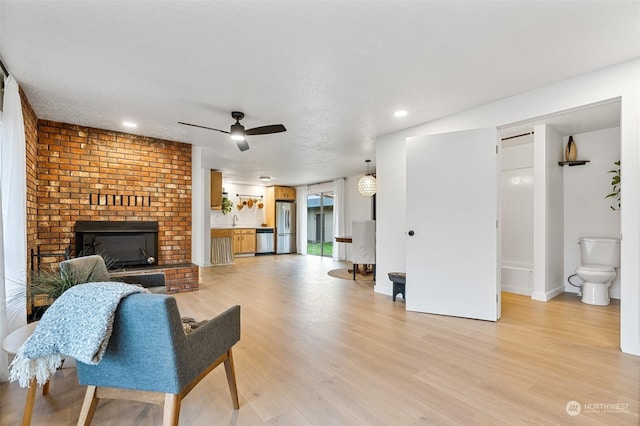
x,y
548,214
249,217
586,211
516,215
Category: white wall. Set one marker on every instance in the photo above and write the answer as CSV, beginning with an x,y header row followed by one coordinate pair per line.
x,y
619,81
586,210
391,214
548,233
200,202
249,217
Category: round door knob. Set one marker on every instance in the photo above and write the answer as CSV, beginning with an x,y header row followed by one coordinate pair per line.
x,y
411,233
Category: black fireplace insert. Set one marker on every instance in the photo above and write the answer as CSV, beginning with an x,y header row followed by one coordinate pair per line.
x,y
121,243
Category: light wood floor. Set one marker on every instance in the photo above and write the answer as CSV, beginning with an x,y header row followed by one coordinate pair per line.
x,y
325,351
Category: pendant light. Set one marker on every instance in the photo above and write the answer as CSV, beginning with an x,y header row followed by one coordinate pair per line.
x,y
367,184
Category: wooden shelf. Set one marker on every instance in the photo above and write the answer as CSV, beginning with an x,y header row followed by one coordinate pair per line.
x,y
573,163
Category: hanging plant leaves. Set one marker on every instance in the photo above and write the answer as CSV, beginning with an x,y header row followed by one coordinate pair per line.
x,y
615,184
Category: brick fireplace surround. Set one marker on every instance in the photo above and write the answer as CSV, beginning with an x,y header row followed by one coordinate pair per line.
x,y
81,173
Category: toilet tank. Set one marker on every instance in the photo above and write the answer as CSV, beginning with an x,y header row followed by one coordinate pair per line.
x,y
600,251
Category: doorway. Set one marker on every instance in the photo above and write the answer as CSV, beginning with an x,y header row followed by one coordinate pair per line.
x,y
516,213
570,199
320,224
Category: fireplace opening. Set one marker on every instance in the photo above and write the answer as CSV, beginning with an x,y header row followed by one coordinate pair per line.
x,y
121,243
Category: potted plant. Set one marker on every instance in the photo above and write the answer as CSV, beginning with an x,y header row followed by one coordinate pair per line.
x,y
49,284
227,205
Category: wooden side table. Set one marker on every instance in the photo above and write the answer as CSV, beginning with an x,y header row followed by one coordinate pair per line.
x,y
11,344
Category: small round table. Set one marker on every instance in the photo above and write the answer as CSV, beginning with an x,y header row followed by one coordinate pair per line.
x,y
15,339
11,344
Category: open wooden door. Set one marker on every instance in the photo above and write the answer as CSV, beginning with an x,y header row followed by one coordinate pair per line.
x,y
452,219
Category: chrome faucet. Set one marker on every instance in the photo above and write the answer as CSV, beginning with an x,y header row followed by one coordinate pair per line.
x,y
235,219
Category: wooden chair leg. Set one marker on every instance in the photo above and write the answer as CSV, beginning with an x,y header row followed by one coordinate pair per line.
x,y
231,379
45,388
28,405
171,409
88,406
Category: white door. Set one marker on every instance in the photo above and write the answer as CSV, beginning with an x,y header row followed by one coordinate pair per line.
x,y
452,212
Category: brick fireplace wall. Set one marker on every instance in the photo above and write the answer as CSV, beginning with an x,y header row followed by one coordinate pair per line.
x,y
91,174
31,142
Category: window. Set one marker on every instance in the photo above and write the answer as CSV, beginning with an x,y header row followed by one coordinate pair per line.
x,y
320,224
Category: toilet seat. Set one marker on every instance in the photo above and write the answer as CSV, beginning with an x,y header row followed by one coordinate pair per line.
x,y
596,268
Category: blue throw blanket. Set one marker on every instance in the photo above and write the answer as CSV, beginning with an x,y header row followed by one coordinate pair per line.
x,y
78,325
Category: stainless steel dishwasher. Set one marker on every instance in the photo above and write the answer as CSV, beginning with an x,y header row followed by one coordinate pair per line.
x,y
264,240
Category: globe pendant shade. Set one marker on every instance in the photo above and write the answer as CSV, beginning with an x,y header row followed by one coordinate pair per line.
x,y
367,185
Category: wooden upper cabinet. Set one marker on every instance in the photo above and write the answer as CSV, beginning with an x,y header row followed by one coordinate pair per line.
x,y
284,193
216,190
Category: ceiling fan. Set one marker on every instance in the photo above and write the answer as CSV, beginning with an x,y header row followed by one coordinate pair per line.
x,y
238,131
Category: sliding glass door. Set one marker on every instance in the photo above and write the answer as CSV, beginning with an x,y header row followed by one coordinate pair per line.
x,y
320,224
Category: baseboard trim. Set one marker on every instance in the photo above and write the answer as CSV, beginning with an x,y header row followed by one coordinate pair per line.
x,y
545,297
383,288
517,290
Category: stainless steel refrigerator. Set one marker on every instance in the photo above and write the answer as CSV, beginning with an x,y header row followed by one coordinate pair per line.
x,y
285,227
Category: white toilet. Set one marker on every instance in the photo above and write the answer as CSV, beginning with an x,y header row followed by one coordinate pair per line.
x,y
598,257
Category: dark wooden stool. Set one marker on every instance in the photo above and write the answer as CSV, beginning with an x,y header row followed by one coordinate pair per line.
x,y
399,279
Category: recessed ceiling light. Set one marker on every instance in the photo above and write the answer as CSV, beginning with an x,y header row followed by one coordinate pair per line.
x,y
400,113
129,124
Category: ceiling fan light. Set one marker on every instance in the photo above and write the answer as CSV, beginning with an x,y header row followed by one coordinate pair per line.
x,y
237,132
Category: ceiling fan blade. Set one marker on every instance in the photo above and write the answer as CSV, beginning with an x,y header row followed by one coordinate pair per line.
x,y
203,127
243,145
265,130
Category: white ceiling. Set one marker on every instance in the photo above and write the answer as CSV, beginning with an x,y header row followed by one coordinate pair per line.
x,y
332,72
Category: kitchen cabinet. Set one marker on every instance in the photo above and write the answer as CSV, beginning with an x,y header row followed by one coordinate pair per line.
x,y
216,190
221,246
244,241
284,193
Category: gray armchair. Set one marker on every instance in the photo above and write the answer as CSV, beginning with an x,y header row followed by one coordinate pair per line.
x,y
149,357
92,268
